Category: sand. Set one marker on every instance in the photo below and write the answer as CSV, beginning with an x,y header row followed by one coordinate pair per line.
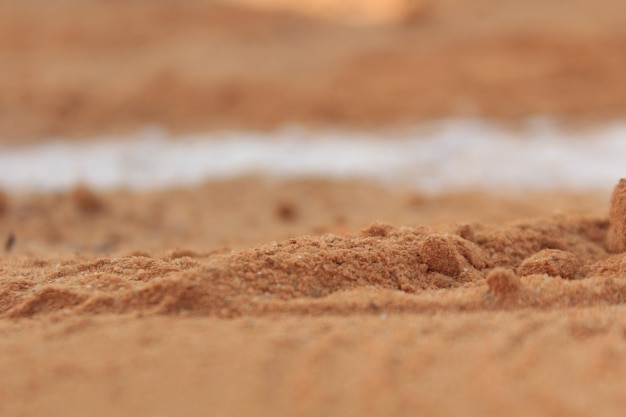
x,y
244,212
168,302
252,296
82,68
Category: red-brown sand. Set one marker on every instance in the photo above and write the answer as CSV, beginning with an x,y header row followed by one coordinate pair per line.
x,y
251,297
118,303
81,68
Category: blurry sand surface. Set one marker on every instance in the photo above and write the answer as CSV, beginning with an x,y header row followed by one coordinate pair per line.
x,y
78,68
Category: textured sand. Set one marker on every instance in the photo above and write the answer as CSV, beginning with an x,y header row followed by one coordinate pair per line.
x,y
122,303
251,297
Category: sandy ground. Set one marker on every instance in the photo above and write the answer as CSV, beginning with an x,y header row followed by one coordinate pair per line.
x,y
245,212
250,296
257,297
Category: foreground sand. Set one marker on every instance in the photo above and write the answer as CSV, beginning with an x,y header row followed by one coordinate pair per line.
x,y
419,314
517,363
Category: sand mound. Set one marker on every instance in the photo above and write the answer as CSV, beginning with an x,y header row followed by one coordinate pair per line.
x,y
559,261
332,273
617,234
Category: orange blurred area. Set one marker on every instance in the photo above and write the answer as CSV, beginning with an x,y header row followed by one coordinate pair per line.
x,y
81,68
352,12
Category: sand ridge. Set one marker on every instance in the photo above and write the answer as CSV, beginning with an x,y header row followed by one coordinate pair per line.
x,y
333,265
412,267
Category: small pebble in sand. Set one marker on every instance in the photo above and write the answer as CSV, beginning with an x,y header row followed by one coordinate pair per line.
x,y
466,232
86,200
286,211
441,255
616,239
4,203
552,262
8,245
377,229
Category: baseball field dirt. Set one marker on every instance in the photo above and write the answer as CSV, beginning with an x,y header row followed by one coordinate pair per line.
x,y
274,296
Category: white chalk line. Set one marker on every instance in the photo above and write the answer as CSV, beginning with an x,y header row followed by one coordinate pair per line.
x,y
453,154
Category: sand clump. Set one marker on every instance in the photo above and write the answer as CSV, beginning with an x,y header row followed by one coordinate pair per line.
x,y
616,240
4,202
377,229
309,273
552,262
450,255
9,242
85,200
503,283
286,211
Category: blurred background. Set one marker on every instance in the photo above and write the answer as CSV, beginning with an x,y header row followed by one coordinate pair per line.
x,y
80,68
